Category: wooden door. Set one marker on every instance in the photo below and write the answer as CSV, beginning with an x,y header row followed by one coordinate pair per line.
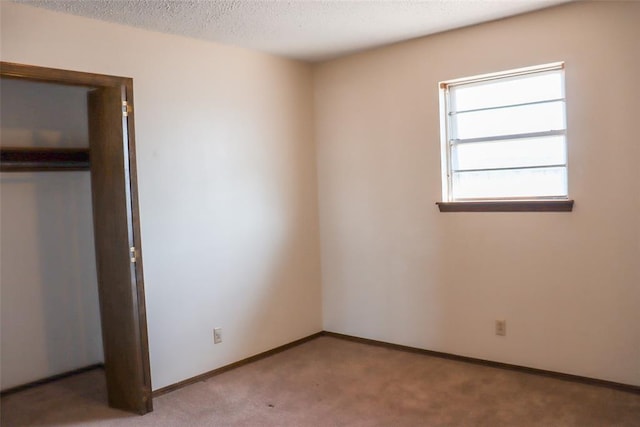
x,y
117,253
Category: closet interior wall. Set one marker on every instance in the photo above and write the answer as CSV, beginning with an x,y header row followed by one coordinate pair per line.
x,y
48,287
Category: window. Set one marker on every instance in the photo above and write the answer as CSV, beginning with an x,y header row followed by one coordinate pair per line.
x,y
504,137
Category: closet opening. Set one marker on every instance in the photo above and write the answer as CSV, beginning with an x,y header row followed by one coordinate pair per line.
x,y
72,279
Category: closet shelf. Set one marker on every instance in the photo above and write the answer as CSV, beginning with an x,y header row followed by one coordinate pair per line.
x,y
43,159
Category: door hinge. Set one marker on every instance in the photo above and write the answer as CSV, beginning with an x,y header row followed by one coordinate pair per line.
x,y
126,108
132,254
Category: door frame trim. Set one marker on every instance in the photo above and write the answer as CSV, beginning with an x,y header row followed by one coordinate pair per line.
x,y
96,81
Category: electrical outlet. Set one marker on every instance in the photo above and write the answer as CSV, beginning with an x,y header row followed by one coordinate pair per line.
x,y
217,335
501,327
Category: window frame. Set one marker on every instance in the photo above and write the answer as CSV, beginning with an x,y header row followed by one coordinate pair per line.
x,y
494,204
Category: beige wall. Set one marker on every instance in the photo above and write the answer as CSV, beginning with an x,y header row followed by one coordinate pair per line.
x,y
395,269
50,320
227,182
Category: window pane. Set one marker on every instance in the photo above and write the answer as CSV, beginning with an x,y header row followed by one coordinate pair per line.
x,y
509,153
508,91
508,121
519,183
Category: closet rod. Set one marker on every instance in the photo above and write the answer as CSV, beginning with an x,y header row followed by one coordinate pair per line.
x,y
34,159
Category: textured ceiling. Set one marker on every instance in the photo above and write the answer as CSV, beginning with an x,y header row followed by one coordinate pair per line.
x,y
309,30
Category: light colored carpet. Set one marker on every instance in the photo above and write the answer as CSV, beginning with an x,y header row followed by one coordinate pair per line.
x,y
333,382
